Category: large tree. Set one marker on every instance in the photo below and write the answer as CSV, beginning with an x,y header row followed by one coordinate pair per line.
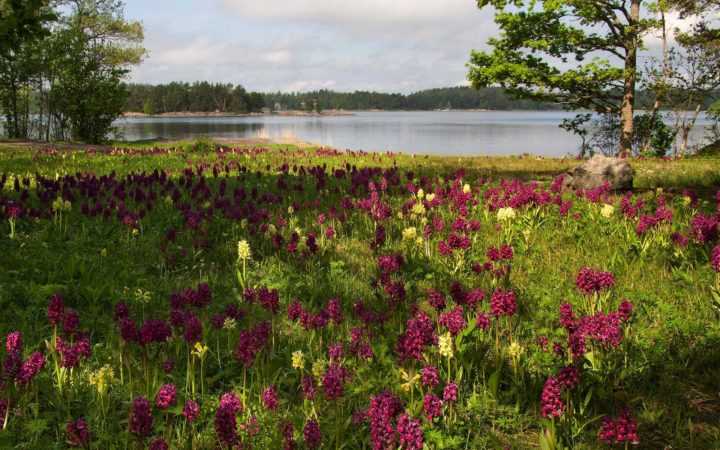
x,y
22,24
578,53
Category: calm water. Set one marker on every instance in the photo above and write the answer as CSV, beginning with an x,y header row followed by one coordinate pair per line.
x,y
434,132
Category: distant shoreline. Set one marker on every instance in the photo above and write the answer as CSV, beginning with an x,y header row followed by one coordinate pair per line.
x,y
196,114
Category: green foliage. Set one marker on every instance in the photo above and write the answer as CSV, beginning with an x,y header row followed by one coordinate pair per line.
x,y
664,368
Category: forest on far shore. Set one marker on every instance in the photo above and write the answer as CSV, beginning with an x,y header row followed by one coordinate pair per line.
x,y
225,97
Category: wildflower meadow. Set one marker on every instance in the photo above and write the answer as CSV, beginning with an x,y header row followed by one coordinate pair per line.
x,y
291,298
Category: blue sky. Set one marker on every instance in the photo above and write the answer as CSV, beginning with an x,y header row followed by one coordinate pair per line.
x,y
301,45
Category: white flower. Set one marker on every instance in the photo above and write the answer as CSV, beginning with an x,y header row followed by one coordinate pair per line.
x,y
445,345
504,214
607,211
243,249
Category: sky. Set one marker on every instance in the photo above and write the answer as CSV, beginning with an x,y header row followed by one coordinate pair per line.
x,y
303,45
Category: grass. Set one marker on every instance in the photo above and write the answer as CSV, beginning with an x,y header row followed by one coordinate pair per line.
x,y
663,368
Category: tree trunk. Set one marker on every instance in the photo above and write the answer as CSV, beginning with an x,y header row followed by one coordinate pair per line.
x,y
686,131
628,103
665,74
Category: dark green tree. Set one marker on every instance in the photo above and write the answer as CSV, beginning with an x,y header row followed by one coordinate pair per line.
x,y
22,24
578,53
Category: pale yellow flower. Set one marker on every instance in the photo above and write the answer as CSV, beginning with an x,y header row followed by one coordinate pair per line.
x,y
318,368
418,208
229,324
291,210
687,200
430,197
409,234
445,345
101,378
298,361
607,211
466,188
243,249
420,194
515,350
504,214
143,296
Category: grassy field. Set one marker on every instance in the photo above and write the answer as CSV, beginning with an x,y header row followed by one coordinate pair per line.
x,y
288,297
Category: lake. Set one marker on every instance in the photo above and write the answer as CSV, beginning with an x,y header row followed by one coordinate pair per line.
x,y
420,132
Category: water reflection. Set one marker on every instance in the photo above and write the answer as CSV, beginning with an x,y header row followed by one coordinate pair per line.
x,y
455,132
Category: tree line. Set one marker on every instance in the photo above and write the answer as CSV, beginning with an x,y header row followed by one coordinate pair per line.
x,y
208,97
63,65
200,96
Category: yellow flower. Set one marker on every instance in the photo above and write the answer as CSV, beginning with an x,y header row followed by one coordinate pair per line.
x,y
229,324
101,378
103,252
430,197
466,188
317,369
445,345
420,194
199,350
409,234
243,249
408,382
418,208
504,214
291,210
607,211
515,350
297,360
687,200
143,296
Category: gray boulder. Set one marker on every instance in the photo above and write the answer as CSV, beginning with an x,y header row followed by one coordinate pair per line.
x,y
599,169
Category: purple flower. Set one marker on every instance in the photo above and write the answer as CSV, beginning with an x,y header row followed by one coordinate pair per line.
x,y
502,303
311,434
333,311
430,377
551,404
158,444
383,410
166,396
193,329
191,410
141,420
715,259
168,365
270,398
410,433
436,299
453,320
77,433
590,281
333,382
450,393
625,310
225,419
309,387
30,368
14,343
623,430
432,406
336,351
569,376
482,321
567,317
420,333
56,309
70,321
